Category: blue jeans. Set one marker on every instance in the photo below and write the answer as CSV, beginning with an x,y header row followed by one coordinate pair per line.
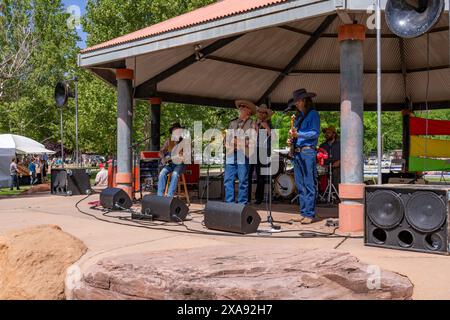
x,y
33,179
14,181
176,170
305,171
241,171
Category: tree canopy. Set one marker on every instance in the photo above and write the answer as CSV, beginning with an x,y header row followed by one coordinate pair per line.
x,y
38,48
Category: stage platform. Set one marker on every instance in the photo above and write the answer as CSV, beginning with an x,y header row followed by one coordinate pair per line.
x,y
428,272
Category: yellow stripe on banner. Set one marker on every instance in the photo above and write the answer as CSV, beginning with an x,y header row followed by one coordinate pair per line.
x,y
433,148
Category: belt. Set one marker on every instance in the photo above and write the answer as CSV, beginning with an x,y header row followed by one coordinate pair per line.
x,y
297,150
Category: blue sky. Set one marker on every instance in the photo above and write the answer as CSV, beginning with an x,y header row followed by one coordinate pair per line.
x,y
82,5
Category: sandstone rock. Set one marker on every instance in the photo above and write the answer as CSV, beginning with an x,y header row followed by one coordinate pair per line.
x,y
40,188
237,273
33,262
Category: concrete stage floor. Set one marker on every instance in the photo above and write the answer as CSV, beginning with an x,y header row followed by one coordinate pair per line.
x,y
429,273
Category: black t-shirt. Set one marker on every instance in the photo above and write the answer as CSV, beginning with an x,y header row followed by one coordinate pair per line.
x,y
334,151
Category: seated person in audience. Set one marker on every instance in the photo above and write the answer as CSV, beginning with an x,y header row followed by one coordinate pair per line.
x,y
101,180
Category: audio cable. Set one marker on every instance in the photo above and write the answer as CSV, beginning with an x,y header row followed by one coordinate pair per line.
x,y
302,234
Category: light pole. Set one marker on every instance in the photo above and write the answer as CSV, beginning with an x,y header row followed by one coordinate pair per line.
x,y
62,94
77,153
379,137
62,136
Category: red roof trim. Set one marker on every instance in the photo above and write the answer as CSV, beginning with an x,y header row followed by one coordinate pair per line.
x,y
215,11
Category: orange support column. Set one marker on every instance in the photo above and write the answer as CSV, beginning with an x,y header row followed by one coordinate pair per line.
x,y
124,129
351,209
351,191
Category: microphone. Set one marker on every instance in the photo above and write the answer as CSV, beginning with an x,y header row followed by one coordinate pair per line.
x,y
287,109
290,106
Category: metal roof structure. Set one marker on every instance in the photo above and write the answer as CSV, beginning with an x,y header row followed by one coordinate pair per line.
x,y
259,49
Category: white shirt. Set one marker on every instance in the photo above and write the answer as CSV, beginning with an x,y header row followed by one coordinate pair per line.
x,y
102,178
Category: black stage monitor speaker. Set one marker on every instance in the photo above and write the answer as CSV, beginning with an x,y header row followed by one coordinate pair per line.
x,y
115,199
231,217
408,217
163,208
70,182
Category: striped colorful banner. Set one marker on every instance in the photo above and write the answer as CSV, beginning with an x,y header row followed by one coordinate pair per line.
x,y
430,148
428,164
421,126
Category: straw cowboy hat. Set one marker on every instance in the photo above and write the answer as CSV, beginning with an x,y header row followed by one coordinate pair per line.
x,y
246,103
264,108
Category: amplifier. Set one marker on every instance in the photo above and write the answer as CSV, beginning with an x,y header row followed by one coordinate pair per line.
x,y
192,173
70,182
215,185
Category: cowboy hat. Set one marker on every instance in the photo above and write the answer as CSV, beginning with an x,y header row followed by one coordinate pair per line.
x,y
301,94
246,103
264,108
174,126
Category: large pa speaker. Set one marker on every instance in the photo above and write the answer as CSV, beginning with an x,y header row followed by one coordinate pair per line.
x,y
70,182
163,208
408,217
231,217
115,199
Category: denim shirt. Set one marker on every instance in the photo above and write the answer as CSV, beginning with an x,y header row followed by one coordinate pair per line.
x,y
308,134
32,167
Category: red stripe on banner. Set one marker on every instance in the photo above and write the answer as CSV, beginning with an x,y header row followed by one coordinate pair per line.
x,y
418,126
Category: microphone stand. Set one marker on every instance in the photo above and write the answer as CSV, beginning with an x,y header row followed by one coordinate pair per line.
x,y
206,187
273,228
134,147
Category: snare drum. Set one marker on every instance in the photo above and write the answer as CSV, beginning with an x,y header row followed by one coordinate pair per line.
x,y
285,186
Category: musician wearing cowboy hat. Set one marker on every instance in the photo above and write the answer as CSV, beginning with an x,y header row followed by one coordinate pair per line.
x,y
304,136
237,153
332,145
263,127
176,168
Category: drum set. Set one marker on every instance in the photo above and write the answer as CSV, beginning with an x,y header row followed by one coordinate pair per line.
x,y
284,181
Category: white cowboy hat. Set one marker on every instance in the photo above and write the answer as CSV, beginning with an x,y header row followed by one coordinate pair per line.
x,y
246,103
264,108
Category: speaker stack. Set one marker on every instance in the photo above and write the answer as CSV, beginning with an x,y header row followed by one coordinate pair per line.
x,y
115,199
70,182
408,217
162,208
231,217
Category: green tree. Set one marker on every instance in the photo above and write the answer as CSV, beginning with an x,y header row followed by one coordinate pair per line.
x,y
27,105
107,19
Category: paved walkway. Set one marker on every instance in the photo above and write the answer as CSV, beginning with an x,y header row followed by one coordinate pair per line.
x,y
429,273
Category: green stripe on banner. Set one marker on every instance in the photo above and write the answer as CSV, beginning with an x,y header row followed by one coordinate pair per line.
x,y
428,164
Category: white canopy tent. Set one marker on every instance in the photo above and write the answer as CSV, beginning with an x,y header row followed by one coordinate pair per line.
x,y
10,145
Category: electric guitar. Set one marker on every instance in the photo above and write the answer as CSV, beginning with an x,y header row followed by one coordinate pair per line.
x,y
293,140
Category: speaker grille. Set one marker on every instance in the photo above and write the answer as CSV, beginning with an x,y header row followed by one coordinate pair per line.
x,y
385,209
426,211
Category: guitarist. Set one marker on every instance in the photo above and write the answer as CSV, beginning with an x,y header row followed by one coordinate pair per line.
x,y
170,166
238,152
304,137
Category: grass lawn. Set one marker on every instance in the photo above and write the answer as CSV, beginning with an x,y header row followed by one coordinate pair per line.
x,y
14,192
